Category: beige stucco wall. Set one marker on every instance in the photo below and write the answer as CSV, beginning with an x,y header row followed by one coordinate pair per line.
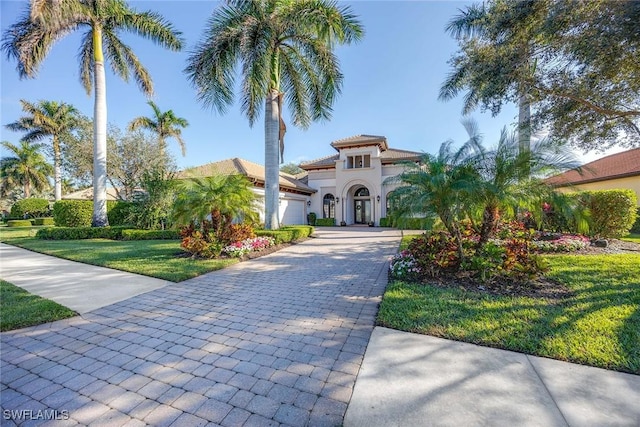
x,y
630,183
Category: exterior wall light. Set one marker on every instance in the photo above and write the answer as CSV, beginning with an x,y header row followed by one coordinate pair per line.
x,y
309,203
378,199
337,199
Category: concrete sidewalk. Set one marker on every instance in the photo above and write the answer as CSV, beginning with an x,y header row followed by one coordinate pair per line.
x,y
80,287
417,380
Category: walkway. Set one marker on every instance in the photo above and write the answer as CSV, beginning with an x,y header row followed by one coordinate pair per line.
x,y
279,339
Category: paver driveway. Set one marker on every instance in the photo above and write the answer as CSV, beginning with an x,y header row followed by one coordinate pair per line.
x,y
276,340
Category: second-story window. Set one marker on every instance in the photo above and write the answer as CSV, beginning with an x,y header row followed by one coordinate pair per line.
x,y
361,161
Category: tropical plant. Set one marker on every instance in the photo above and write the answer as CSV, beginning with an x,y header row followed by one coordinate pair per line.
x,y
43,120
163,124
27,168
438,185
508,178
214,202
285,49
29,40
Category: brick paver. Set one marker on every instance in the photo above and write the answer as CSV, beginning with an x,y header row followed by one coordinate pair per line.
x,y
274,341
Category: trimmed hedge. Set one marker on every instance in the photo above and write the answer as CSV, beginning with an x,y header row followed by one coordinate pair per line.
x,y
73,213
150,235
636,225
386,222
118,212
613,212
326,222
44,221
287,234
79,233
19,223
32,207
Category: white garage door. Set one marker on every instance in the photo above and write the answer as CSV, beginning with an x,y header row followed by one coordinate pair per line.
x,y
292,212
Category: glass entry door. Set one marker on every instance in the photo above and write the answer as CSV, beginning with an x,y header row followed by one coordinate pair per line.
x,y
363,211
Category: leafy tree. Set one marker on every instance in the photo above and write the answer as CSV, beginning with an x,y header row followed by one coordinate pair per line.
x,y
48,119
576,62
285,49
218,199
291,168
27,168
152,207
129,156
46,21
163,124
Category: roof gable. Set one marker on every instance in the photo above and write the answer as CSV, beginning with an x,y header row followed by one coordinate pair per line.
x,y
614,166
361,141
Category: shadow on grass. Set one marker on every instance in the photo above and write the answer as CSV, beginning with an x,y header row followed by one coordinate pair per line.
x,y
599,325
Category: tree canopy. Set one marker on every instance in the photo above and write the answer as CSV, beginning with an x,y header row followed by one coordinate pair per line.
x,y
583,70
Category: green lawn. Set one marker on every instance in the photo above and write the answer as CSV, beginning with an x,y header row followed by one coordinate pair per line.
x,y
156,258
19,308
598,326
633,237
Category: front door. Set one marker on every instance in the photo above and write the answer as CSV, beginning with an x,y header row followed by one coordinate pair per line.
x,y
363,211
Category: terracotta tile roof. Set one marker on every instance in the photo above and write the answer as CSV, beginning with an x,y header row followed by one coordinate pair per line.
x,y
391,155
253,171
361,140
615,166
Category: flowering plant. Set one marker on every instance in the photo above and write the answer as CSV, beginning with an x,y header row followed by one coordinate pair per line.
x,y
238,249
560,243
404,266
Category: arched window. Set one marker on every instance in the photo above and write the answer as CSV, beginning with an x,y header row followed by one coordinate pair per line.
x,y
362,192
328,206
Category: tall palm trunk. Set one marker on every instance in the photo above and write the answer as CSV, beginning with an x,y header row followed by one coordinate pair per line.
x,y
524,122
99,136
271,154
27,188
57,169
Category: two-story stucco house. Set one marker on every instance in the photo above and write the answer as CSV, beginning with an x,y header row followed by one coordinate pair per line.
x,y
350,185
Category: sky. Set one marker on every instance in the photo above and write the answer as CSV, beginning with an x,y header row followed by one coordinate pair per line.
x,y
391,83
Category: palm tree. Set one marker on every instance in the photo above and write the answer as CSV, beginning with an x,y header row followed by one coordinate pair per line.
x,y
46,21
493,59
285,49
438,185
27,168
508,178
47,119
163,124
217,198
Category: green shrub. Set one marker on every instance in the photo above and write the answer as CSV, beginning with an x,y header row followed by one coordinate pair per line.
x,y
386,222
79,233
43,221
30,208
280,236
150,235
311,218
413,223
73,213
19,223
299,231
613,212
118,212
325,222
636,225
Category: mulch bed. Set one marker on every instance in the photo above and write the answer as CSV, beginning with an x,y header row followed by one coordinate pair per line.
x,y
539,288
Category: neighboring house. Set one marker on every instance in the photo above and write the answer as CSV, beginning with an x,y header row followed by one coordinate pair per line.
x,y
295,195
351,185
621,170
87,194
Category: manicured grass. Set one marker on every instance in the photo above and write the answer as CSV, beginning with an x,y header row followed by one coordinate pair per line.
x,y
632,238
156,258
19,308
598,326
